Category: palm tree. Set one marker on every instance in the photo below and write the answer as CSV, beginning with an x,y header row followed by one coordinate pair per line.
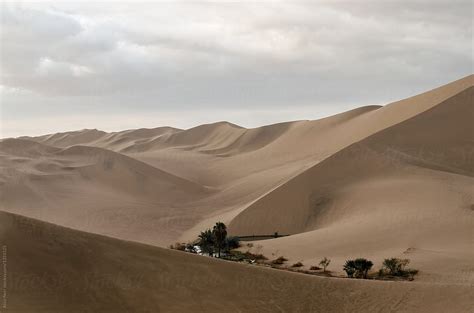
x,y
220,233
363,266
358,267
349,268
206,241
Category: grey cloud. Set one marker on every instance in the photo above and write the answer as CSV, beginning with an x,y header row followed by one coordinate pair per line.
x,y
160,57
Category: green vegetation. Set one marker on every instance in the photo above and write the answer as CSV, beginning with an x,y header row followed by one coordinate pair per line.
x,y
358,268
391,268
232,243
211,241
215,241
245,257
325,263
397,267
207,242
220,234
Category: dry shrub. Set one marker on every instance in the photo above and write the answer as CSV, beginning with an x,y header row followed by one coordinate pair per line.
x,y
280,260
297,264
178,246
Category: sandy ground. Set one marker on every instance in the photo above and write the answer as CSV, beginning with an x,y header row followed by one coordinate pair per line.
x,y
376,182
55,269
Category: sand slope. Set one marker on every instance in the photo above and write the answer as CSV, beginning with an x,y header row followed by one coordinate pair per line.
x,y
373,181
384,195
92,189
54,269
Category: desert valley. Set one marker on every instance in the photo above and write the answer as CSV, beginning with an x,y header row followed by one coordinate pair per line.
x,y
88,216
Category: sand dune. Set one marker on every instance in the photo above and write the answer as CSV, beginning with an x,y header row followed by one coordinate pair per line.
x,y
439,139
70,138
303,145
24,147
54,269
90,188
374,181
92,137
399,186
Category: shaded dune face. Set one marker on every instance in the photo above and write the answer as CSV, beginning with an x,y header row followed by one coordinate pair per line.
x,y
439,140
55,269
405,191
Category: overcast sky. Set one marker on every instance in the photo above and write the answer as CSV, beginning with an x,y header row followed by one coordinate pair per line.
x,y
114,66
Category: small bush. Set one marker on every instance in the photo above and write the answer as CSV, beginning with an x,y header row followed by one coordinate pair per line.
x,y
314,268
325,263
297,264
411,273
280,260
238,256
232,243
395,266
178,246
255,256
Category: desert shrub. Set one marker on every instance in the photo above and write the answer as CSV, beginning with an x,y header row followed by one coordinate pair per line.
x,y
178,246
280,260
297,264
236,255
411,273
357,268
381,272
232,243
314,268
395,266
325,263
255,256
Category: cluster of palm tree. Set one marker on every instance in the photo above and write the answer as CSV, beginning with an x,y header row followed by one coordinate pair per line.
x,y
216,240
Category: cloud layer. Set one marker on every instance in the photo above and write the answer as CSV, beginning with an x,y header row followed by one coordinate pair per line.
x,y
185,63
